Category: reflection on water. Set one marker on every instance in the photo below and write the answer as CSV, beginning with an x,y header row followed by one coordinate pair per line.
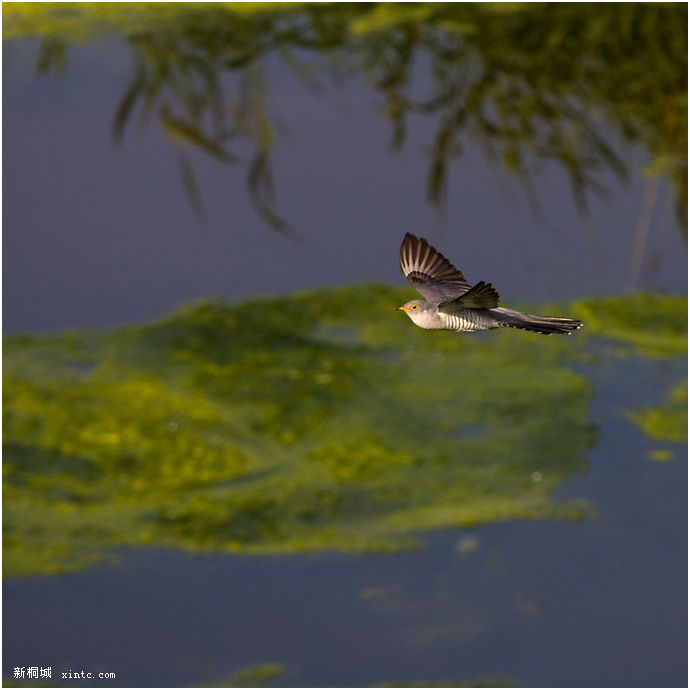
x,y
527,83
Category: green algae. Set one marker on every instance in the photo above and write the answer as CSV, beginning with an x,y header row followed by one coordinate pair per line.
x,y
322,420
648,325
654,325
255,676
301,423
668,422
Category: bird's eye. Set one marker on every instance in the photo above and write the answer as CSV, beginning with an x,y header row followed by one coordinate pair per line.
x,y
414,306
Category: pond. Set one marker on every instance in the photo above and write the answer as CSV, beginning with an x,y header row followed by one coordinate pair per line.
x,y
228,460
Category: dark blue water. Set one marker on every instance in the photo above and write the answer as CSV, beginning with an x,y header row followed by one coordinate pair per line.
x,y
595,603
95,236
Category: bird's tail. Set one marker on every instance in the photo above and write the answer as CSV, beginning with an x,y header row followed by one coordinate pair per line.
x,y
532,322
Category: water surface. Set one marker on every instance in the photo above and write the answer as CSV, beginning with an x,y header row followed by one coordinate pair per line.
x,y
236,493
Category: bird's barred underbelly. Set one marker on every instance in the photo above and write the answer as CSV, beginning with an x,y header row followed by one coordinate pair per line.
x,y
467,320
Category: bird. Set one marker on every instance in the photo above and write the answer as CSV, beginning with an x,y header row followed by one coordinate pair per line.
x,y
450,303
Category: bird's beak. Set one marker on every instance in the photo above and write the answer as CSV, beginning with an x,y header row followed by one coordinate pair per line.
x,y
402,308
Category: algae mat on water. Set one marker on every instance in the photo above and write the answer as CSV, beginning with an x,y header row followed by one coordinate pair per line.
x,y
317,421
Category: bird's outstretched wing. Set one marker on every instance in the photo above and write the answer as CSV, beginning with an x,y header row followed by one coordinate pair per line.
x,y
431,274
480,296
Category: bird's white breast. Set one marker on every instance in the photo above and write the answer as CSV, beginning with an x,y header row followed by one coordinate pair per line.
x,y
465,320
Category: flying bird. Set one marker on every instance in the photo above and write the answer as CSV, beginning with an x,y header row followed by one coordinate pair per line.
x,y
450,303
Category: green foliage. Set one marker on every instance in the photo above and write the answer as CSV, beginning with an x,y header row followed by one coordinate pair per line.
x,y
656,325
318,421
528,82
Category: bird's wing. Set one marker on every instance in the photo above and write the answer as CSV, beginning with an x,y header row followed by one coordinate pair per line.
x,y
431,274
481,296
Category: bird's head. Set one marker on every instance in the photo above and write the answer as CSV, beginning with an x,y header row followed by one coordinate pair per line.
x,y
418,310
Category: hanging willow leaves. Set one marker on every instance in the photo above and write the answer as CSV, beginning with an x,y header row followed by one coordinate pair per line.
x,y
190,134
